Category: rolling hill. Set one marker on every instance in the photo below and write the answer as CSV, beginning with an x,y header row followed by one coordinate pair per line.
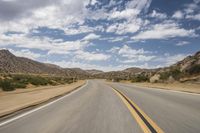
x,y
188,68
10,63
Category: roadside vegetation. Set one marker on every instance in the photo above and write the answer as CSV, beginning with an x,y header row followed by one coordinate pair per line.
x,y
170,75
10,82
135,78
173,73
194,70
140,78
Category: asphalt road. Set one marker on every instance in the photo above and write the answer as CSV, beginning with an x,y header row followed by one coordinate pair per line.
x,y
174,112
96,108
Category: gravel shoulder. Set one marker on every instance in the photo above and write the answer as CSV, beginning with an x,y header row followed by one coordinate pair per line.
x,y
23,98
184,87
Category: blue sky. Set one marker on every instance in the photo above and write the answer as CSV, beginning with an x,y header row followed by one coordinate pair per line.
x,y
101,34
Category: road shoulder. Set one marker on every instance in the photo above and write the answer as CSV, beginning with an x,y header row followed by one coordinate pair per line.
x,y
179,87
11,103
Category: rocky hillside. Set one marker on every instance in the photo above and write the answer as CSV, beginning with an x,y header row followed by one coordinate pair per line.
x,y
187,69
94,71
190,64
126,74
9,63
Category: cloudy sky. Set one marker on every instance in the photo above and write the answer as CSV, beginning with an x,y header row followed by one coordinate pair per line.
x,y
101,34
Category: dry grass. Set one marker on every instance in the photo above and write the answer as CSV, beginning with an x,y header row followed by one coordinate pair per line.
x,y
22,98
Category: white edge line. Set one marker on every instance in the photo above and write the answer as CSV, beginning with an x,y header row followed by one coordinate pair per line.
x,y
41,107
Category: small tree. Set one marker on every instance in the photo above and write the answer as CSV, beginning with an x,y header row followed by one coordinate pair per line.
x,y
176,74
6,85
164,76
194,69
140,78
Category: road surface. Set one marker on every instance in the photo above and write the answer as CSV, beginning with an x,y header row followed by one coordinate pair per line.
x,y
100,108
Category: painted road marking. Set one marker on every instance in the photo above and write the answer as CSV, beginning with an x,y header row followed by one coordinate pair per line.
x,y
145,122
41,107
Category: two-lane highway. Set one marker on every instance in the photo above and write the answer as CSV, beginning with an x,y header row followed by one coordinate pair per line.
x,y
99,108
93,109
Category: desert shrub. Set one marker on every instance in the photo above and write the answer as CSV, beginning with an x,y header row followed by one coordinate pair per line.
x,y
19,85
176,74
194,69
140,78
63,80
52,82
117,79
164,75
22,79
57,79
36,80
6,85
69,80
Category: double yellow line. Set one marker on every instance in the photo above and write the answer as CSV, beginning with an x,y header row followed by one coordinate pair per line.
x,y
145,122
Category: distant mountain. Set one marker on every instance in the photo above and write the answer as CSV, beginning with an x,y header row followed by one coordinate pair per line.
x,y
134,70
94,71
182,70
80,73
124,74
53,65
9,63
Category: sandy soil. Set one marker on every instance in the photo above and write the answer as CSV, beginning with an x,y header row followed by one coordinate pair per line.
x,y
22,98
185,87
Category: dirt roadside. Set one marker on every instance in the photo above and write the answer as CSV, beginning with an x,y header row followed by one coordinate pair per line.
x,y
184,87
23,98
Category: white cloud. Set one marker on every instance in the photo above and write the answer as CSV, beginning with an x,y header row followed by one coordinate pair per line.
x,y
127,51
113,50
81,29
60,15
132,22
178,15
112,28
91,56
132,9
194,17
182,43
126,27
116,39
164,31
93,2
158,15
139,4
139,58
42,43
86,66
25,53
132,55
168,59
125,14
91,36
191,7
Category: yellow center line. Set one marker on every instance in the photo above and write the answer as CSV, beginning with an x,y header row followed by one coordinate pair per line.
x,y
137,117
